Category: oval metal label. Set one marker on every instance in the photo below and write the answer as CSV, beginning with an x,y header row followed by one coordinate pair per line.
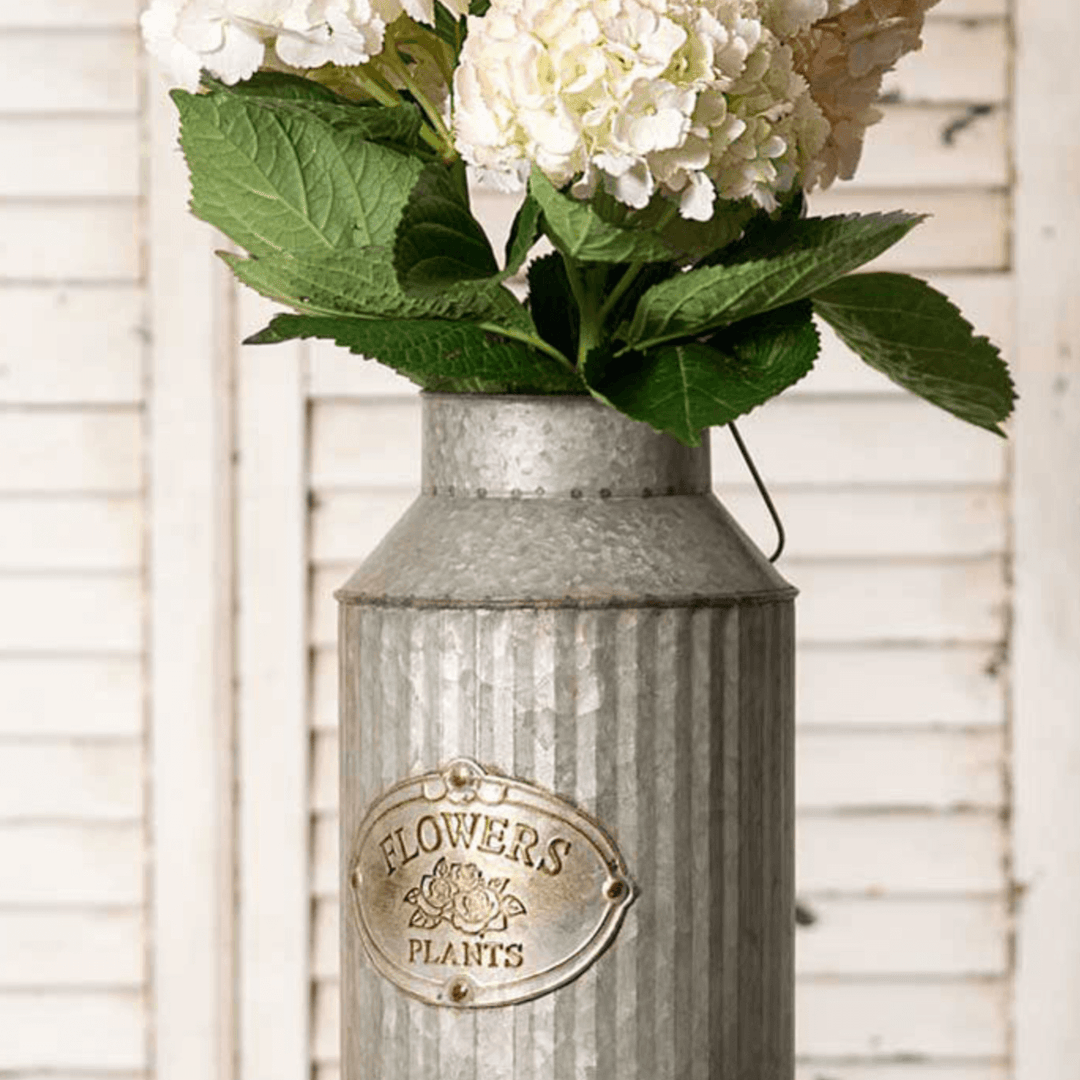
x,y
471,889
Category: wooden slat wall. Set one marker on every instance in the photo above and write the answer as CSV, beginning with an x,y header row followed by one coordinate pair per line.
x,y
73,846
897,520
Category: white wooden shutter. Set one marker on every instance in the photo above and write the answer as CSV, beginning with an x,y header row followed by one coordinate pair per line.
x,y
73,839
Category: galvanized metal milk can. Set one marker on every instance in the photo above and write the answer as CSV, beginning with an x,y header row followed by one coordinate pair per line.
x,y
566,773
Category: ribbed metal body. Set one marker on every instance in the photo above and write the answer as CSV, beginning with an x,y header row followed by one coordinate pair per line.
x,y
651,686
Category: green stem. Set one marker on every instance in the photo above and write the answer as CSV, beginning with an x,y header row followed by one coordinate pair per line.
x,y
528,339
395,63
589,325
617,293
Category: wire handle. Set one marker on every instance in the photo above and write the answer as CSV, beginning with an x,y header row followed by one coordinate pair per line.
x,y
781,537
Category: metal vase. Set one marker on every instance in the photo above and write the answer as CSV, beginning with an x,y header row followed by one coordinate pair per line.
x,y
565,635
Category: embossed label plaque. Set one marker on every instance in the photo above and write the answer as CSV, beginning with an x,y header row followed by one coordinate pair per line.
x,y
471,889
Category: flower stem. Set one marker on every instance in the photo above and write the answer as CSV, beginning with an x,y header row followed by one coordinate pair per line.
x,y
617,293
528,339
394,62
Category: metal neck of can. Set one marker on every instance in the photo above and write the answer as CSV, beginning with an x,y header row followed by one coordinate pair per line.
x,y
498,446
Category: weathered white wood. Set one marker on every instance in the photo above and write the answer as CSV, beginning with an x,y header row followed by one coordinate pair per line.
x,y
1046,511
911,854
862,937
71,345
882,523
891,441
324,856
961,60
191,767
272,711
71,451
326,1023
70,533
66,865
70,14
92,73
949,1018
867,686
968,9
895,937
67,949
336,372
69,241
43,1031
957,600
903,440
71,781
892,522
859,686
967,230
55,613
38,156
932,770
922,1069
929,770
370,443
932,145
71,696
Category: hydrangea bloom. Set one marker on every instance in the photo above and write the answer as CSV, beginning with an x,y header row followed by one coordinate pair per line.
x,y
844,57
229,38
694,98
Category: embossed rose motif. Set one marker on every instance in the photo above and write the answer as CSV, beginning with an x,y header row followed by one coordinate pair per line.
x,y
458,894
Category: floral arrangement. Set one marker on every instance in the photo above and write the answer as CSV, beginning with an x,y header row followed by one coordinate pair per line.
x,y
665,150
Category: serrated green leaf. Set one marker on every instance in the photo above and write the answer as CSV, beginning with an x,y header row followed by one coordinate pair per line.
x,y
917,337
552,303
579,231
363,282
815,252
524,233
690,241
449,28
684,388
279,85
277,178
438,241
450,357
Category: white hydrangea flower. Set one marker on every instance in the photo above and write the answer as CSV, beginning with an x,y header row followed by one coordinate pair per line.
x,y
696,98
229,38
844,57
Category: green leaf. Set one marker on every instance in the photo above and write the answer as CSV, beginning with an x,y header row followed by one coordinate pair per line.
x,y
917,337
362,282
551,302
524,234
449,28
277,178
579,231
683,388
451,357
438,240
275,84
813,254
689,241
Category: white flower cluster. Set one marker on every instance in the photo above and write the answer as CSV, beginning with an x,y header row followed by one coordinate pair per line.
x,y
230,38
844,57
698,99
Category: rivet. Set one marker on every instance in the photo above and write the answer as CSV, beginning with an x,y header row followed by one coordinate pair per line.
x,y
646,493
605,493
357,879
459,991
460,776
481,493
575,493
616,890
515,493
540,491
